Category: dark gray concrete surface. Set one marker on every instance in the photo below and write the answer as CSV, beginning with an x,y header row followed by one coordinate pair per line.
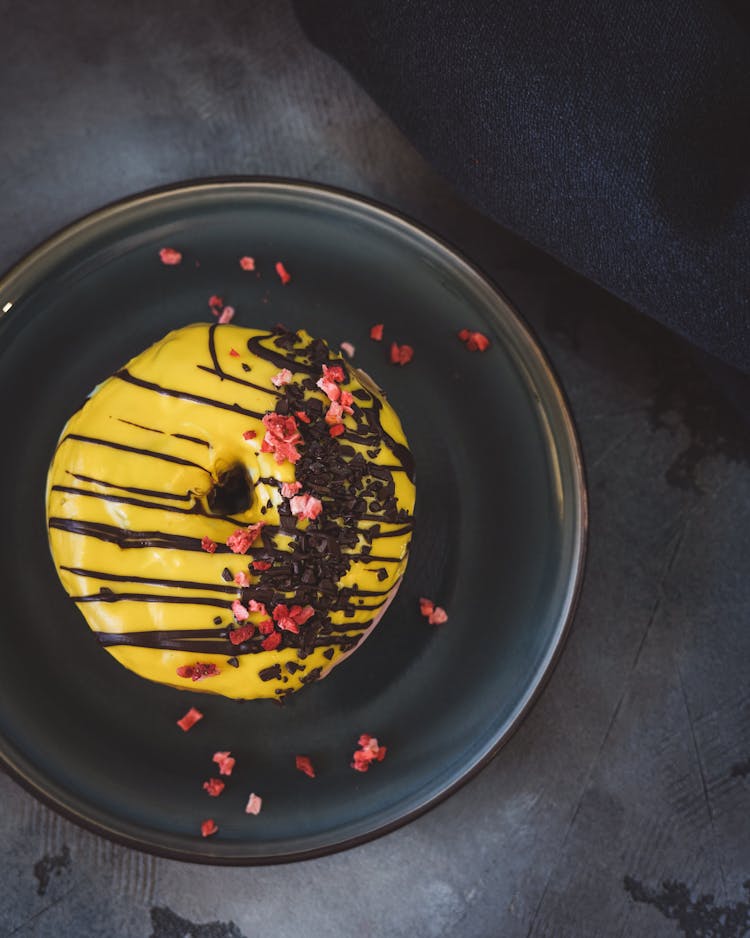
x,y
622,806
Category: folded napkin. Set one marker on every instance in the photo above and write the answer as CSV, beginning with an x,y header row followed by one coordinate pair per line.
x,y
613,135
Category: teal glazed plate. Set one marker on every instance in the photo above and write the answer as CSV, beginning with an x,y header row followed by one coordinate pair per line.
x,y
499,538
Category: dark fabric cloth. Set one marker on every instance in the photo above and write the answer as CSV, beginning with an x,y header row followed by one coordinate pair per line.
x,y
613,135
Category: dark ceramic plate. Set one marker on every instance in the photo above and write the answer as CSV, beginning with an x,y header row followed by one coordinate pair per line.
x,y
500,533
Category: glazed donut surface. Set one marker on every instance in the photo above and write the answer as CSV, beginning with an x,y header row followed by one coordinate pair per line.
x,y
232,483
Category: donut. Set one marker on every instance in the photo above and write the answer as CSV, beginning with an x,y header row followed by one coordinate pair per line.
x,y
232,510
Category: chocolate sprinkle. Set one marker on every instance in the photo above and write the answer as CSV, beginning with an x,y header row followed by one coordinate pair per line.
x,y
233,662
311,676
268,674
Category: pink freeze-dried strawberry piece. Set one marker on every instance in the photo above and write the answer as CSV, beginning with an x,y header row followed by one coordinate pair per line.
x,y
335,413
283,377
227,315
474,341
272,642
334,373
214,786
301,415
242,579
304,764
300,614
247,263
284,275
329,383
170,257
254,606
237,636
370,751
329,387
290,619
282,435
266,627
198,671
336,430
376,332
478,342
346,400
401,354
261,565
283,620
208,827
288,489
190,719
249,435
208,545
234,353
435,615
215,304
225,761
305,506
204,670
240,541
426,606
361,761
239,611
348,349
254,804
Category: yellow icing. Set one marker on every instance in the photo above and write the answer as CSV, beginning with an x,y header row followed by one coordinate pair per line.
x,y
147,420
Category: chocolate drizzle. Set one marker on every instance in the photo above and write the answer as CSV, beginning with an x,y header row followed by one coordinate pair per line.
x,y
152,581
155,493
127,539
107,596
223,375
165,457
293,362
195,509
177,436
124,375
209,641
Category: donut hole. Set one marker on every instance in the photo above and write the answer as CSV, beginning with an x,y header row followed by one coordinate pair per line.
x,y
232,494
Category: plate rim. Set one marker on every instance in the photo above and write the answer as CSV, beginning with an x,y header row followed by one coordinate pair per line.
x,y
575,576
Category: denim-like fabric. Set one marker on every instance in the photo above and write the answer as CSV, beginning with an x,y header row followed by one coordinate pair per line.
x,y
614,135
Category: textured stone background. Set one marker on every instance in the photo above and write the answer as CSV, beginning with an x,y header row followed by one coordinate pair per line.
x,y
622,806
